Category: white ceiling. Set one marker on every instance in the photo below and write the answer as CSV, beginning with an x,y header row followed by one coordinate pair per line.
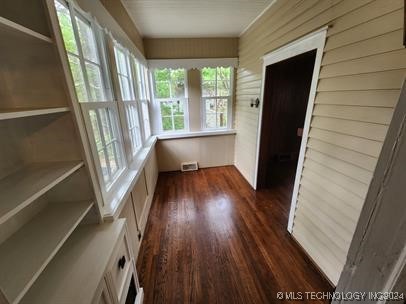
x,y
193,18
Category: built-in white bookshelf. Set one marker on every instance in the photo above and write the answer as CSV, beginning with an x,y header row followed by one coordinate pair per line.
x,y
27,184
25,254
17,31
26,112
45,189
81,256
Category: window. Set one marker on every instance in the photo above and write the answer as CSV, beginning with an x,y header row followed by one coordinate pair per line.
x,y
85,48
145,116
170,94
125,74
143,91
216,97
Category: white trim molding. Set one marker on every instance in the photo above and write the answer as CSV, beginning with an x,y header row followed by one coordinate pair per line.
x,y
192,63
312,41
197,134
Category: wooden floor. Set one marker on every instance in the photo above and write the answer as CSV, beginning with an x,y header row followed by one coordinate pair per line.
x,y
211,239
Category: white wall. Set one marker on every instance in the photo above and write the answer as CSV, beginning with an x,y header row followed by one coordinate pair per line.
x,y
208,151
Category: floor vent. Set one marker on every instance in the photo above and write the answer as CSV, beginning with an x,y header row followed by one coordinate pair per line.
x,y
189,166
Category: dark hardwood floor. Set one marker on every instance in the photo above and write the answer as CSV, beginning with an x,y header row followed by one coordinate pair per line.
x,y
211,239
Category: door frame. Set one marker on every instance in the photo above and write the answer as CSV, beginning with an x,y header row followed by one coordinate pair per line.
x,y
313,41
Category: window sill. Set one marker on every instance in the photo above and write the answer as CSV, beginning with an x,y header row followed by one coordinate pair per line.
x,y
196,134
122,189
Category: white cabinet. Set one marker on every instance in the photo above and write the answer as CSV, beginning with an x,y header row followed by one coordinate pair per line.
x,y
89,268
102,295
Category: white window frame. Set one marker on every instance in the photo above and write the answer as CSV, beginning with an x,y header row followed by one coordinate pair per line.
x,y
158,101
142,85
131,122
90,104
229,98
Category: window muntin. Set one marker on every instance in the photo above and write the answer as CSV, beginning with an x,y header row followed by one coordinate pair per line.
x,y
124,73
124,68
83,54
84,45
134,127
145,116
170,93
107,142
216,96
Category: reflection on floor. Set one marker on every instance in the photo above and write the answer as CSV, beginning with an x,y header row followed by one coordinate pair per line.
x,y
211,239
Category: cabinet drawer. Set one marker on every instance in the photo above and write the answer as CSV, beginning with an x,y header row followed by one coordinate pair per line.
x,y
120,267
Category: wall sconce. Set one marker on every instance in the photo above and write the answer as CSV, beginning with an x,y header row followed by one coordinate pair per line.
x,y
254,102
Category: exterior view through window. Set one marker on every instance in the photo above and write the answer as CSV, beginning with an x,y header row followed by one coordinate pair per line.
x,y
216,97
84,46
170,93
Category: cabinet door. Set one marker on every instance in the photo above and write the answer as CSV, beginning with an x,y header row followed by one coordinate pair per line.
x,y
103,295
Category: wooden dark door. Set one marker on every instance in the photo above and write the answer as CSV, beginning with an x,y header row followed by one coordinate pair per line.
x,y
286,93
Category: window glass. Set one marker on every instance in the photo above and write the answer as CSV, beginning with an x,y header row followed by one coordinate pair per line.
x,y
170,93
84,46
216,96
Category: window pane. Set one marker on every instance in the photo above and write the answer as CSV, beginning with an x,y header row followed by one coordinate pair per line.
x,y
95,82
223,88
87,40
208,88
134,127
103,165
162,83
78,80
112,158
179,122
125,88
167,123
145,115
178,83
96,129
211,120
208,74
121,61
210,106
178,107
166,108
65,23
162,74
105,126
162,89
223,73
222,112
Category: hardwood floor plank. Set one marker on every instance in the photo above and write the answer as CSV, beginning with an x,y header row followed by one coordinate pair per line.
x,y
210,238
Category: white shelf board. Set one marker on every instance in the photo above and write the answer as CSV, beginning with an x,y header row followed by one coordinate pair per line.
x,y
76,271
11,28
26,112
26,253
21,188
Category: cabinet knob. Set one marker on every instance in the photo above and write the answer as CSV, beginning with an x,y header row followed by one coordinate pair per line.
x,y
121,262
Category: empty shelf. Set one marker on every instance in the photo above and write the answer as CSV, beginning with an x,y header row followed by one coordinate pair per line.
x,y
27,184
11,29
76,271
26,112
25,254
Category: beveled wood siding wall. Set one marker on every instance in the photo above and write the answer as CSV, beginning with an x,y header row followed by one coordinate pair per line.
x,y
362,71
181,48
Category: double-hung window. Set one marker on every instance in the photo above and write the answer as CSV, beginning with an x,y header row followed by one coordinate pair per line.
x,y
216,97
124,65
143,92
85,48
170,95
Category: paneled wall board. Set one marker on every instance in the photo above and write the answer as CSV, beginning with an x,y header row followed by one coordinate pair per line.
x,y
208,151
363,67
181,48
